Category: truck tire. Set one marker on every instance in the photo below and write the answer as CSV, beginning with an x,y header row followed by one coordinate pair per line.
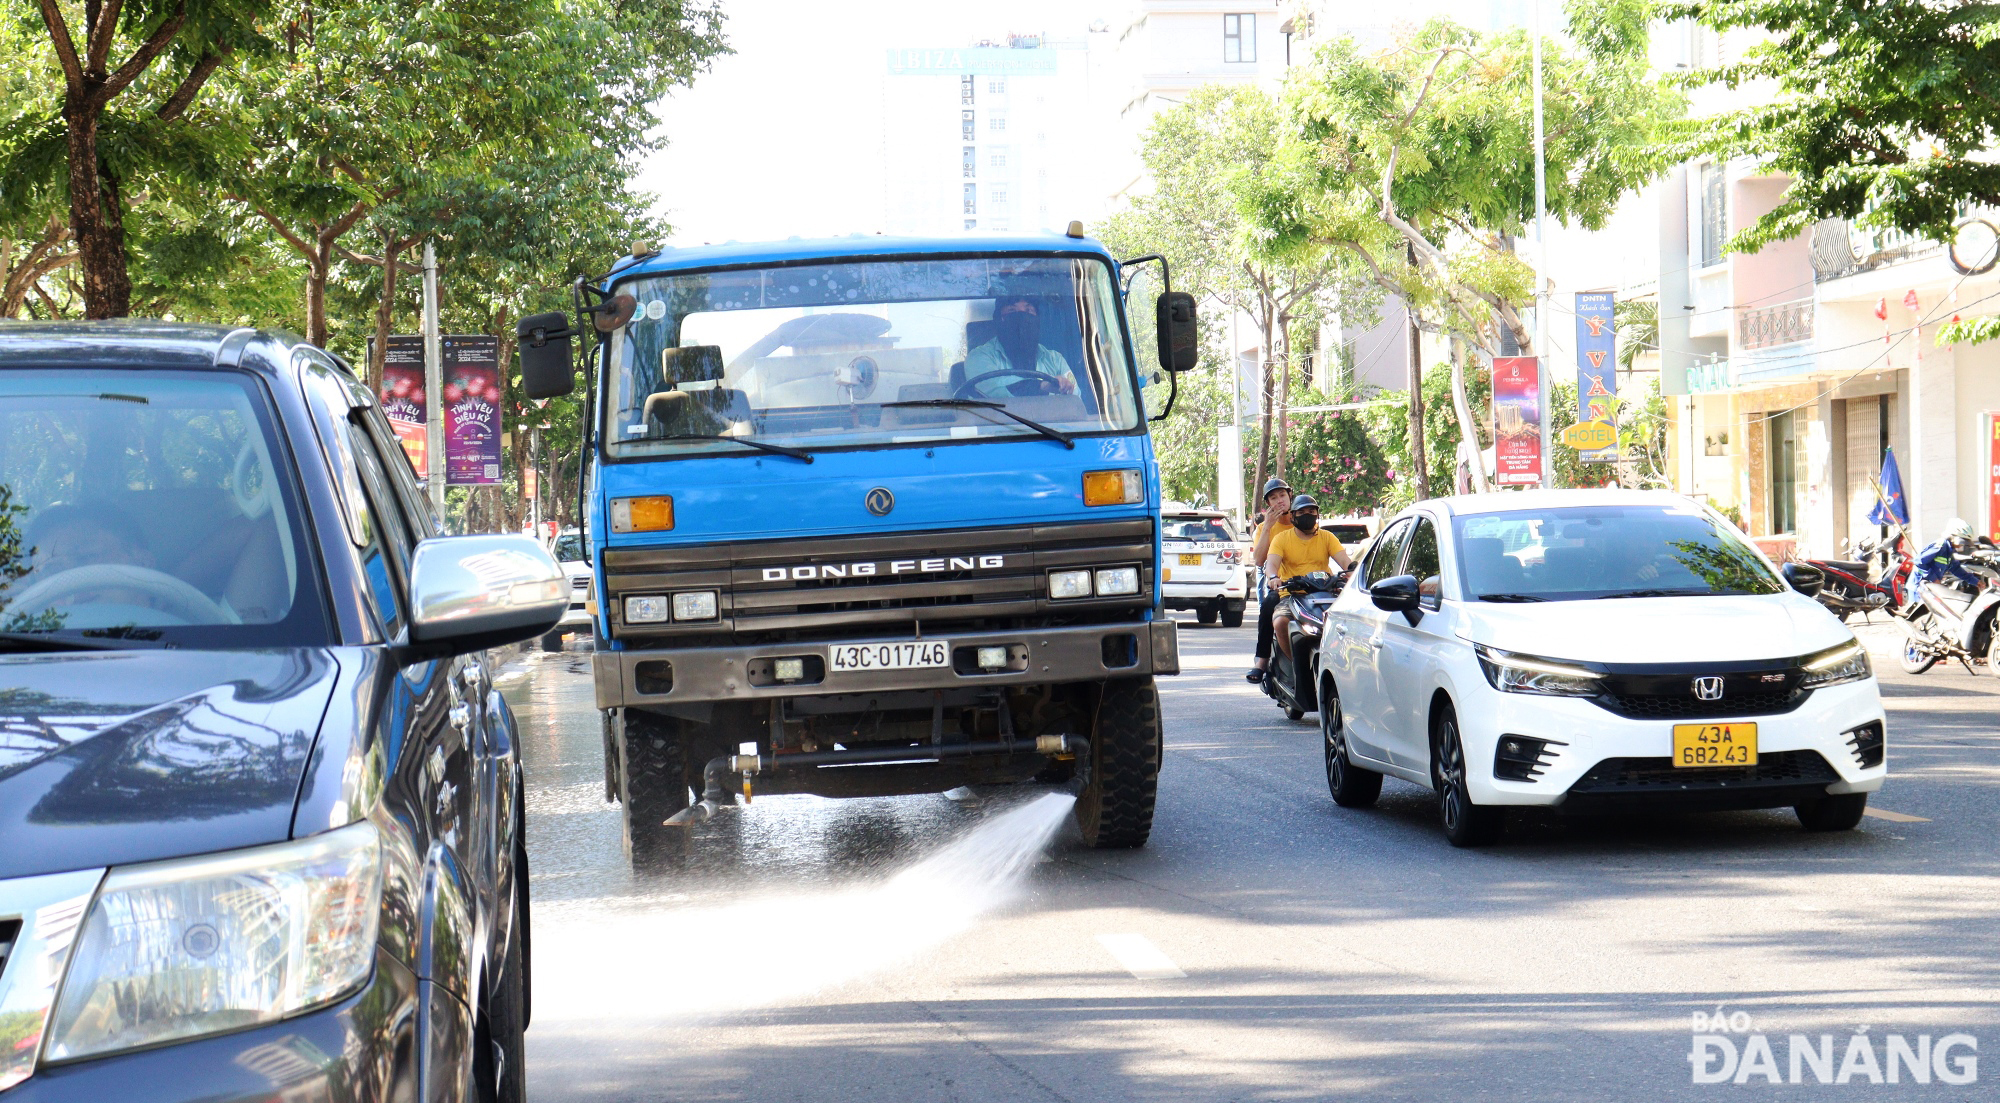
x,y
1232,614
652,785
1115,808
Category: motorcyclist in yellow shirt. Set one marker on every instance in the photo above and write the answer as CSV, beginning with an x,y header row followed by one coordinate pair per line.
x,y
1299,551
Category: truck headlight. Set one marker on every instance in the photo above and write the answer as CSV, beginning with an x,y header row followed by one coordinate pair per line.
x,y
1063,584
1847,662
1113,581
1512,673
1114,488
645,609
699,605
175,950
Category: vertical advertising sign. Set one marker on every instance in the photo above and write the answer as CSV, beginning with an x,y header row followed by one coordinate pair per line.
x,y
1596,366
1517,421
1992,459
471,410
402,397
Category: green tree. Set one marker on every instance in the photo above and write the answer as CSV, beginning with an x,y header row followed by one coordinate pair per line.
x,y
1882,113
1389,426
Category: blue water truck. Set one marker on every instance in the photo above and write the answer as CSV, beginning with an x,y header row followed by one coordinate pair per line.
x,y
873,516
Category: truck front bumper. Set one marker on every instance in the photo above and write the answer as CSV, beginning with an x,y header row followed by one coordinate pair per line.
x,y
1041,656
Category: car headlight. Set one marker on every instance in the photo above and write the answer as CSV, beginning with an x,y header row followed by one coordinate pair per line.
x,y
1847,662
1512,673
1064,584
179,949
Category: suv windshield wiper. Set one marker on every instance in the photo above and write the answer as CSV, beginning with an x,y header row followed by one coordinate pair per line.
x,y
1056,435
37,641
1511,597
775,449
1653,593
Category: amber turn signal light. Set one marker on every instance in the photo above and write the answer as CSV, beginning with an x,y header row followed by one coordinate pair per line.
x,y
654,514
1114,488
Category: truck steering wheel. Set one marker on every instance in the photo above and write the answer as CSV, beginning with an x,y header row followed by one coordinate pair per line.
x,y
1049,384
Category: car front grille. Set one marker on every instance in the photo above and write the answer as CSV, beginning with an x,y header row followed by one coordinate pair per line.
x,y
1660,775
1748,689
826,587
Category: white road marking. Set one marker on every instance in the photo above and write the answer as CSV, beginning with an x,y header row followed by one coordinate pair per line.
x,y
1140,957
1893,817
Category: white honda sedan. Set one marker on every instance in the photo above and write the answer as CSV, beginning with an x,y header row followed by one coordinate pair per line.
x,y
1592,649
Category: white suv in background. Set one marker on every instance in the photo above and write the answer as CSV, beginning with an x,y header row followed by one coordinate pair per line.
x,y
1591,650
570,551
1201,564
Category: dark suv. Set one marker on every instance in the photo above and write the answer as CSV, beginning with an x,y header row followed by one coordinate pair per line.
x,y
260,805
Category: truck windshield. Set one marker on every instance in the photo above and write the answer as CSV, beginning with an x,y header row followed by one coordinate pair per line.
x,y
831,355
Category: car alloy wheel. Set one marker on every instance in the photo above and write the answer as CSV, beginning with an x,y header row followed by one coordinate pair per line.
x,y
1465,823
1351,786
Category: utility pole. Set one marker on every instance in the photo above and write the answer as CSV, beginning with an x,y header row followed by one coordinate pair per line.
x,y
1418,458
1542,260
434,378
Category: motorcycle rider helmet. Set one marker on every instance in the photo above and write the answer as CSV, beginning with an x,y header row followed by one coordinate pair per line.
x,y
1956,531
1305,513
1271,486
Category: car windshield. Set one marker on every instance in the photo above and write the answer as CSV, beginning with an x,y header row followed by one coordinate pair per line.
x,y
1198,529
1587,552
145,507
821,355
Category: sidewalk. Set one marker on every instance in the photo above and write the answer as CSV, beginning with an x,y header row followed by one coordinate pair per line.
x,y
1881,634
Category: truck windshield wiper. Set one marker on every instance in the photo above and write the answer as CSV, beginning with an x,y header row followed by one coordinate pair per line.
x,y
1510,597
775,449
1056,435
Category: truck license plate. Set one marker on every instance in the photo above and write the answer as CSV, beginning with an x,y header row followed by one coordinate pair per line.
x,y
890,656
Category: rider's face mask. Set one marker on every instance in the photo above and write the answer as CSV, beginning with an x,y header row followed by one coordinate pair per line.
x,y
1305,522
1020,333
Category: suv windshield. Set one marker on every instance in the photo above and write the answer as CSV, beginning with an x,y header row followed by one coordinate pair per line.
x,y
821,355
1198,529
1584,552
147,507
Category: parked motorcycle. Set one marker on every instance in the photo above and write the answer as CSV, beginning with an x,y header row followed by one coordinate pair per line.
x,y
1877,578
1947,623
1307,599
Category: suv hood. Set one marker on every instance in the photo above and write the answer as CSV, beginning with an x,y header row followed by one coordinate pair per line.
x,y
109,757
1659,629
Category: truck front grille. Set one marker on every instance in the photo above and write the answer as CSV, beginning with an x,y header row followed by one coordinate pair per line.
x,y
826,587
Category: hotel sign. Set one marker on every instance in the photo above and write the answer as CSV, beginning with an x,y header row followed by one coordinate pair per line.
x,y
983,60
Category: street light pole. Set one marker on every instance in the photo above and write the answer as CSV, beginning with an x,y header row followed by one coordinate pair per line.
x,y
1542,260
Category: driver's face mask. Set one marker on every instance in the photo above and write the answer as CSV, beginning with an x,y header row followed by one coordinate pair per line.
x,y
1305,522
1020,333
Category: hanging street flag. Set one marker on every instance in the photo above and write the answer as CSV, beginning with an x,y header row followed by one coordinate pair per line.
x,y
1596,367
471,410
1890,508
1517,421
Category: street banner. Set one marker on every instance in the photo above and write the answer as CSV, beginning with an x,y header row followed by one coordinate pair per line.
x,y
1993,475
1596,366
1517,421
471,410
416,438
402,394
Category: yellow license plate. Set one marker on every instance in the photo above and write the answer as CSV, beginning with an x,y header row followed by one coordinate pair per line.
x,y
1190,559
1711,745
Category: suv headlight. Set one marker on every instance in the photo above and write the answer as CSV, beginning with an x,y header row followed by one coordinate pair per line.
x,y
1847,662
175,950
1512,673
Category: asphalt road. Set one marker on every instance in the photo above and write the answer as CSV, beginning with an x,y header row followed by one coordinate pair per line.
x,y
1267,944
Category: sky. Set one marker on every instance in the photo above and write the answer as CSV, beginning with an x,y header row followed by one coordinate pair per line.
x,y
785,136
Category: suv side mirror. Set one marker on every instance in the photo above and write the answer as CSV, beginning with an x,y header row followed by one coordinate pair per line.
x,y
547,369
1180,342
1398,594
1804,577
469,593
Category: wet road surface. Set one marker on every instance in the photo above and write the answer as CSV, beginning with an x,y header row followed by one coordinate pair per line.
x,y
1266,945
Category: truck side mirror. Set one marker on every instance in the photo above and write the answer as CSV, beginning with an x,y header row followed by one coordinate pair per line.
x,y
1180,344
547,368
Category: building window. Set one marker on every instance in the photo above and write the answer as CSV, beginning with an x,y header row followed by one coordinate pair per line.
x,y
1786,461
1239,38
965,91
970,161
997,86
1714,213
998,161
965,125
996,122
972,199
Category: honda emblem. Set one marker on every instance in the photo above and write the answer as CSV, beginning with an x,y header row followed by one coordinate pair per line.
x,y
1708,688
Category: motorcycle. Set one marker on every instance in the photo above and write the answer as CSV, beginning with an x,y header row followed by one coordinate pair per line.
x,y
1946,623
1862,584
1307,599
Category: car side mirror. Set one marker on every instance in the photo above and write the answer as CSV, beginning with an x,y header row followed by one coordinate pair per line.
x,y
1805,578
1180,341
469,593
547,367
1399,594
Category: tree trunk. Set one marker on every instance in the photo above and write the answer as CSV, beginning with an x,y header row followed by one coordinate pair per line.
x,y
96,216
1420,479
316,269
1468,429
1283,428
1265,392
